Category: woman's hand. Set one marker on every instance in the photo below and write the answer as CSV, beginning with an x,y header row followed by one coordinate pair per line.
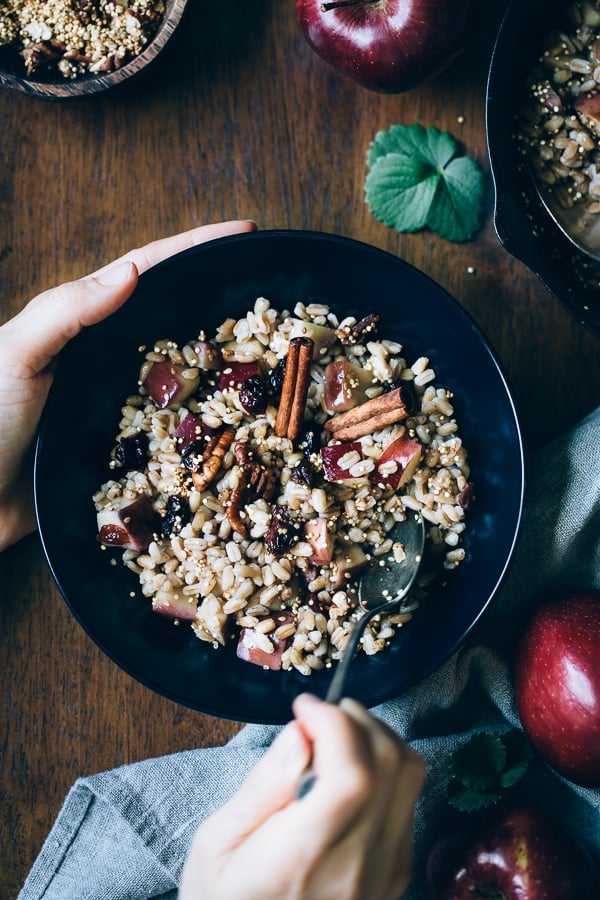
x,y
350,837
30,343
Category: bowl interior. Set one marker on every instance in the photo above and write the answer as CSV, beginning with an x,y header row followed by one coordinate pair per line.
x,y
523,226
198,289
52,86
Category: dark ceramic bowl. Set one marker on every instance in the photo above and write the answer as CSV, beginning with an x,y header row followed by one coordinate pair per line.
x,y
522,225
198,289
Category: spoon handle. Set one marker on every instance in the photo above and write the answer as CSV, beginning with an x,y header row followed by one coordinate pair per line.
x,y
338,682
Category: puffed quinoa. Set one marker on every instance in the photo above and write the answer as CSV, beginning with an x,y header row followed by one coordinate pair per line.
x,y
78,37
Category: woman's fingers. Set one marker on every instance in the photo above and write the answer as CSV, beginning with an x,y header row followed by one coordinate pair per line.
x,y
42,329
146,257
269,787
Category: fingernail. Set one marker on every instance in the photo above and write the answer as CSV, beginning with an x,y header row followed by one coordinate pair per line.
x,y
116,274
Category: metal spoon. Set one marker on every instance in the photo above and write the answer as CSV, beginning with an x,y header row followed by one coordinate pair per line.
x,y
579,226
382,589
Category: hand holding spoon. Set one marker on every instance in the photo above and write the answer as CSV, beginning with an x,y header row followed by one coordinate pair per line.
x,y
382,589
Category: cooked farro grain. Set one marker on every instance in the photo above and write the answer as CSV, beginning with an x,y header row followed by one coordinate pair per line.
x,y
559,123
268,550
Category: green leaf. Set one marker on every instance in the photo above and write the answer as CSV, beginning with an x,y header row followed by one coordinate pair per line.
x,y
485,766
458,214
468,799
479,762
416,180
518,757
402,189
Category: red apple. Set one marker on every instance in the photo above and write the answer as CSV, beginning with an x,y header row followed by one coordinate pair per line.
x,y
515,853
386,45
345,386
167,386
348,564
131,525
209,356
190,429
321,539
249,651
397,464
557,685
177,607
331,454
233,374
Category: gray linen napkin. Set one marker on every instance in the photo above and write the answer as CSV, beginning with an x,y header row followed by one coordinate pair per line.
x,y
123,835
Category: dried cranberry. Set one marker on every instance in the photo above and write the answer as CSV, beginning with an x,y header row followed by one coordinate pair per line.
x,y
276,377
281,533
193,455
254,395
304,473
177,514
132,452
467,495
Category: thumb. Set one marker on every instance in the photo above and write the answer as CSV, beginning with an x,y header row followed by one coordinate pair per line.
x,y
269,787
42,329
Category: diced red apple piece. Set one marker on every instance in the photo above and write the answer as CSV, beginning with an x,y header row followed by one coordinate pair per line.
x,y
348,564
345,385
322,336
167,386
588,108
396,465
131,526
177,607
235,373
331,454
249,649
190,429
321,539
209,356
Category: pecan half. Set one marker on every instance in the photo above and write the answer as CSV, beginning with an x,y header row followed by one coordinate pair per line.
x,y
256,481
212,458
356,334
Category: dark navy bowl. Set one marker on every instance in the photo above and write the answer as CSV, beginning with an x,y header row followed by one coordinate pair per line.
x,y
522,225
198,289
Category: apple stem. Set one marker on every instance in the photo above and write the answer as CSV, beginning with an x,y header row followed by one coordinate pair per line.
x,y
336,4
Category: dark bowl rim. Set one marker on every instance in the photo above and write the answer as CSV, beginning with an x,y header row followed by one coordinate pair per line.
x,y
381,695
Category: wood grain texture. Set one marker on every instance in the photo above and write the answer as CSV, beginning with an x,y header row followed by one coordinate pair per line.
x,y
238,118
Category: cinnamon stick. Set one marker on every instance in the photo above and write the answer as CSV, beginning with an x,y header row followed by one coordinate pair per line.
x,y
294,391
369,426
385,403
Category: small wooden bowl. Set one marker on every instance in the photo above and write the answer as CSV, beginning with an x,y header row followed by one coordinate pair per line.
x,y
60,88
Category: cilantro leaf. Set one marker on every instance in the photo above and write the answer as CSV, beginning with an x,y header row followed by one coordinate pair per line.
x,y
485,766
518,757
468,799
478,763
416,180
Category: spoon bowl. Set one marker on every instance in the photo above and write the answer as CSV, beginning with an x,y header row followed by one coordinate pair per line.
x,y
579,226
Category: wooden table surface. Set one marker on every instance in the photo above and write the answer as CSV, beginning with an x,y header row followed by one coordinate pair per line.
x,y
238,119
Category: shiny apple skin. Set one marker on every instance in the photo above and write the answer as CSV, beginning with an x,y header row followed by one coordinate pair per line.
x,y
517,853
388,45
557,685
